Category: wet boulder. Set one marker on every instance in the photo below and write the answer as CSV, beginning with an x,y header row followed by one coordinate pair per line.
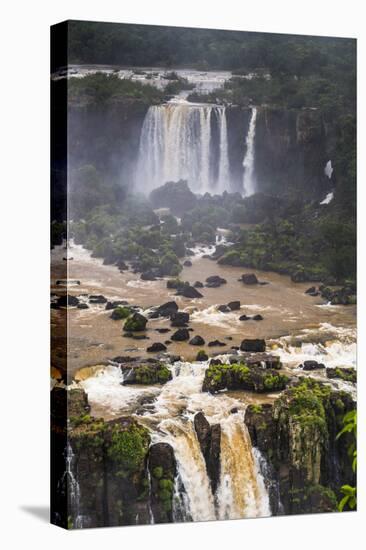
x,y
180,335
342,373
167,309
234,305
253,345
257,317
189,291
198,284
82,305
113,304
145,373
223,308
148,276
197,341
239,376
97,299
249,279
156,347
120,312
135,323
201,356
312,365
187,263
214,281
216,343
175,284
179,319
244,318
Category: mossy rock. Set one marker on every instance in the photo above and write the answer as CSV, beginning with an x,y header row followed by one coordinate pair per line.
x,y
146,374
135,323
120,312
243,377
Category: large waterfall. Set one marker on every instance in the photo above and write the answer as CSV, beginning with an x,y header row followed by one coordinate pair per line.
x,y
249,183
176,143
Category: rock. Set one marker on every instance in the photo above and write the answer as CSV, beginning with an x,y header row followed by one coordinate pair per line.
x,y
82,305
175,284
198,284
201,356
215,281
167,309
203,431
120,312
223,309
189,292
209,438
179,319
312,365
180,335
263,360
97,299
162,330
234,306
234,410
343,373
254,345
299,276
147,276
257,317
197,341
187,263
310,290
145,373
216,343
135,323
155,347
243,377
116,303
122,266
249,279
162,469
67,301
244,318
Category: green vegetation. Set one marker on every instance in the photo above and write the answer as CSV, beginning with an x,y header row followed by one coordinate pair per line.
x,y
121,312
100,89
129,447
349,499
240,376
152,374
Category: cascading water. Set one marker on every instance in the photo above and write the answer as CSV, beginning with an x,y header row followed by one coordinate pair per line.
x,y
176,143
241,491
249,183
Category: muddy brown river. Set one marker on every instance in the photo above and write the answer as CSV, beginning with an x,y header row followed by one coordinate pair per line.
x,y
288,312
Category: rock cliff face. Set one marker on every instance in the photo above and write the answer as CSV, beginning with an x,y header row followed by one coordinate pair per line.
x,y
107,137
291,150
100,469
297,435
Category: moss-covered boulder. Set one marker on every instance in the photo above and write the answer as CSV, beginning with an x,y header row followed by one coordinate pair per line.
x,y
243,377
135,323
120,312
345,374
145,373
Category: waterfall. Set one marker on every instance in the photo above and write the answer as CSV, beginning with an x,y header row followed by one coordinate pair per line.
x,y
176,143
224,174
73,490
249,184
242,491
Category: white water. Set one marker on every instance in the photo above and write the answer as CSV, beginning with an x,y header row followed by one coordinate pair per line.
x,y
249,183
241,492
329,197
328,170
175,144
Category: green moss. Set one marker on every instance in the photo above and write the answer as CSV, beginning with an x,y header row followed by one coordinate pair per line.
x,y
158,472
129,447
152,374
257,409
121,312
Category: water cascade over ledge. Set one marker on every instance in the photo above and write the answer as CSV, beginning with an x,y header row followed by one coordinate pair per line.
x,y
249,183
176,143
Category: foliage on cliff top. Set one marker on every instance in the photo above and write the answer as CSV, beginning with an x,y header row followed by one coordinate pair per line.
x,y
99,89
